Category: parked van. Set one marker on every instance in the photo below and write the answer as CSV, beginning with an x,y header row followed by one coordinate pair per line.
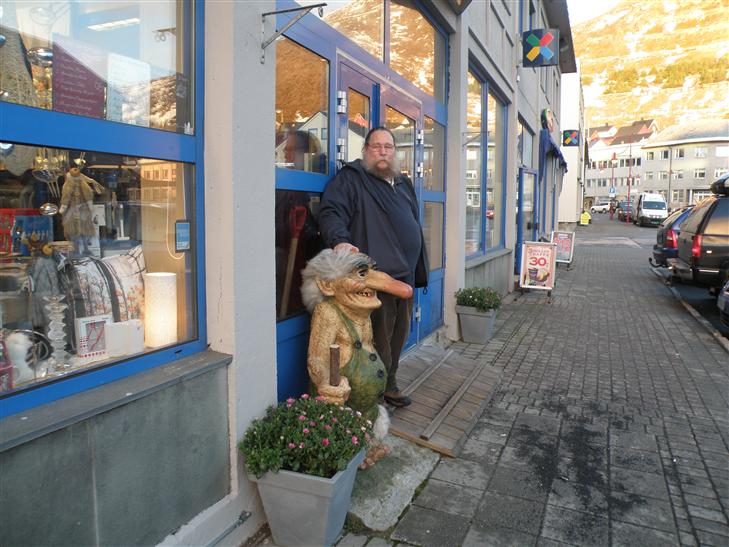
x,y
650,209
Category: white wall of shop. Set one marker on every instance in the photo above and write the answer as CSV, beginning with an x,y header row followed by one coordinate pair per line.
x,y
573,116
240,273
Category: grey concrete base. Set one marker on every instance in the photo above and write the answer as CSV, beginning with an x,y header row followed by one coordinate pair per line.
x,y
382,492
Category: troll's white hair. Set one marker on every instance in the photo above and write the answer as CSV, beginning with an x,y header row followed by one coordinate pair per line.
x,y
329,265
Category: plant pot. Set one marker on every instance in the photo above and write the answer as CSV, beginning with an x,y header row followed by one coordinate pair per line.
x,y
304,509
476,327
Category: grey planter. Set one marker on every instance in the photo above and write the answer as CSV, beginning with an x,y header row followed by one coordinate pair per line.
x,y
307,510
476,327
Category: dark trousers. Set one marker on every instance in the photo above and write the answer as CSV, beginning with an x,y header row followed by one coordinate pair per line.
x,y
390,328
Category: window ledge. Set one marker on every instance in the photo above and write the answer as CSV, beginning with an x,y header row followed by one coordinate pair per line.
x,y
29,425
491,255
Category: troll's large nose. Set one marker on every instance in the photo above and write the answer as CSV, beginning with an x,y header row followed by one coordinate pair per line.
x,y
380,281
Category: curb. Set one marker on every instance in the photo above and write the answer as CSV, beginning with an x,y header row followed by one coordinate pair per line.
x,y
723,342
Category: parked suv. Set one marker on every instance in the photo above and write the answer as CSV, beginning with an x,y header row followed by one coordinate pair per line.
x,y
703,244
601,205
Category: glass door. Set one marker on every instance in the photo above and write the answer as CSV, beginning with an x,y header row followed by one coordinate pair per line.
x,y
526,225
360,93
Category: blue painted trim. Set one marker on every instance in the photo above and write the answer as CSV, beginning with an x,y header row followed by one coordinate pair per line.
x,y
24,124
29,125
304,181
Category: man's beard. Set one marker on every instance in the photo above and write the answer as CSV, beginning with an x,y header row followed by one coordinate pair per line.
x,y
390,172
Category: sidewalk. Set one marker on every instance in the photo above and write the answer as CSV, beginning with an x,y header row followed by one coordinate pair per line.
x,y
609,426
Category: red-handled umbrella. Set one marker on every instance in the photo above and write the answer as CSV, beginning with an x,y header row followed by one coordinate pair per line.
x,y
297,218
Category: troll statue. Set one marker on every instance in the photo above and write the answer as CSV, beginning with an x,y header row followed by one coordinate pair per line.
x,y
340,291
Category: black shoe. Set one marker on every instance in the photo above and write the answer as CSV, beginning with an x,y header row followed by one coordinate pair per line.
x,y
396,398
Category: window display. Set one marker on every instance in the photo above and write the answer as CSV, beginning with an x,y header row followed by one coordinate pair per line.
x,y
125,61
90,266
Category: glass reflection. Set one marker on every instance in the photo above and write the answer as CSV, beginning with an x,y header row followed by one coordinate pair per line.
x,y
358,118
433,154
474,162
297,241
417,51
433,233
302,94
362,21
404,130
124,61
494,165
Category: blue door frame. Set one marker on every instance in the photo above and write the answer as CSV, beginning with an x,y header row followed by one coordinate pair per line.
x,y
529,232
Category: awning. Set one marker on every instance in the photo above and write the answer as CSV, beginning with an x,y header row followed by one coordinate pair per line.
x,y
547,146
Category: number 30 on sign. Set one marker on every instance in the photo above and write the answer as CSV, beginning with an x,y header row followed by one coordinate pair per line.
x,y
538,265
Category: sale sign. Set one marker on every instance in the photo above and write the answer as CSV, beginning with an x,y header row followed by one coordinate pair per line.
x,y
538,265
565,242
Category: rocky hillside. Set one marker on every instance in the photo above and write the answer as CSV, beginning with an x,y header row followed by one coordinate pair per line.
x,y
661,59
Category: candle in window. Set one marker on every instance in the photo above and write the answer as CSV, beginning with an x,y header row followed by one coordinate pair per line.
x,y
160,309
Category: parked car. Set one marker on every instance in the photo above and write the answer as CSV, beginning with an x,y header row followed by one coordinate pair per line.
x,y
650,209
625,212
703,244
667,237
601,205
723,304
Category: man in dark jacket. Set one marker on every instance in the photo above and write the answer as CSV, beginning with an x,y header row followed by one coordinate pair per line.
x,y
370,207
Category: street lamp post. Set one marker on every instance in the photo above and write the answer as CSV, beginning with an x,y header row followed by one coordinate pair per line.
x,y
630,176
613,163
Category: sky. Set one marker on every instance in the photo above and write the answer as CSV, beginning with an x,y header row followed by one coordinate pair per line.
x,y
582,10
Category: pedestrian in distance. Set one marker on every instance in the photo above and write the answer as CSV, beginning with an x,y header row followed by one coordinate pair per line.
x,y
370,207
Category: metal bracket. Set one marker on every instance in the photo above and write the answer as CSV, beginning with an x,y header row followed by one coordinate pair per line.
x,y
341,102
419,136
419,169
341,150
304,10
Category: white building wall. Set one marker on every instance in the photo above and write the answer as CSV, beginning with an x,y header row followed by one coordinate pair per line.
x,y
240,272
573,117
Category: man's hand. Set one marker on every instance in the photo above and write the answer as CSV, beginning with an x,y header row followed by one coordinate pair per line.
x,y
337,395
344,248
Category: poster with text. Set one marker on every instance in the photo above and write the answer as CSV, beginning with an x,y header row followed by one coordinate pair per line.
x,y
538,265
565,242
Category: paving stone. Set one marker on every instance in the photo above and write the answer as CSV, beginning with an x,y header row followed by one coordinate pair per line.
x,y
637,460
714,527
543,424
484,536
480,451
378,542
449,498
463,472
707,538
642,511
634,441
629,535
352,540
427,527
519,483
643,484
709,514
574,527
502,511
578,496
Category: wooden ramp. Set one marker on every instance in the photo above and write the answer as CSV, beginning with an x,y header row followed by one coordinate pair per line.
x,y
449,393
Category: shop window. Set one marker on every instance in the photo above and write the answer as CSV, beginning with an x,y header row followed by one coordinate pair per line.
x,y
359,120
474,165
126,61
362,21
495,164
433,155
98,260
417,50
403,128
297,240
302,112
433,233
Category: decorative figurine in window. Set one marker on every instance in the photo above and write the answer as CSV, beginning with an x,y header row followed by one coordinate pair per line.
x,y
340,290
77,200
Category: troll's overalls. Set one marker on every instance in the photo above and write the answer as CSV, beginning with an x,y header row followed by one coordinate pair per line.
x,y
365,372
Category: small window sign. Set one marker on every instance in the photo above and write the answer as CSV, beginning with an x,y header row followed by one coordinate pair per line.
x,y
182,236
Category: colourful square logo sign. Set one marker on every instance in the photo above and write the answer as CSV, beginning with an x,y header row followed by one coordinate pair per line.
x,y
540,47
570,137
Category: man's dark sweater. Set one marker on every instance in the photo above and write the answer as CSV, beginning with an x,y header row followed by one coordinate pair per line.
x,y
379,218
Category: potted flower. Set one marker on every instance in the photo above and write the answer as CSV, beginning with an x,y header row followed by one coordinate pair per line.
x,y
304,454
476,308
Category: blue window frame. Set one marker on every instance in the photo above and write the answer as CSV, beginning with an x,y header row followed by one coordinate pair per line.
x,y
333,47
486,195
33,126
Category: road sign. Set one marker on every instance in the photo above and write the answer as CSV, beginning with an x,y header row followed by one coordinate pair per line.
x,y
611,192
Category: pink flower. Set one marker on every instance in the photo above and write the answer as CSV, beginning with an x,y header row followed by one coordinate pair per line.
x,y
292,445
334,420
312,423
290,402
328,427
355,440
319,398
325,442
305,396
301,445
302,418
367,437
306,430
